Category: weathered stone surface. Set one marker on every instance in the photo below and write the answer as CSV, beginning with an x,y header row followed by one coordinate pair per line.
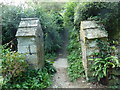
x,y
30,41
91,44
27,49
29,22
89,32
26,31
27,41
23,19
32,58
95,33
89,24
91,51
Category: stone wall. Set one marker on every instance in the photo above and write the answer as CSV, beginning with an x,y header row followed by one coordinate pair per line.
x,y
114,35
89,32
1,77
30,41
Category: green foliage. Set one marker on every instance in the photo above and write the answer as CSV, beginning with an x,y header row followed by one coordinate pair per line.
x,y
104,62
101,67
10,22
51,23
52,6
58,19
49,66
11,19
17,74
106,12
31,79
75,69
50,56
69,14
13,63
50,28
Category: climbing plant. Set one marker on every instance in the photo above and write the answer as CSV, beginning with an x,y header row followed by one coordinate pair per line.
x,y
105,62
106,12
108,15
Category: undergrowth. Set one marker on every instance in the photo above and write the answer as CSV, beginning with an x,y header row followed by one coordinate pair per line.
x,y
32,78
106,64
75,69
50,56
17,74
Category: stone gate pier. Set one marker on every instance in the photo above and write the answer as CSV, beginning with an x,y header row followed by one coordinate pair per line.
x,y
30,41
89,32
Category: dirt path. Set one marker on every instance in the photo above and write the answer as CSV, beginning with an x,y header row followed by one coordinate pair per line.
x,y
61,79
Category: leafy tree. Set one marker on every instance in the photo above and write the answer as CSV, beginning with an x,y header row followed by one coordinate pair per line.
x,y
105,12
69,14
49,22
10,22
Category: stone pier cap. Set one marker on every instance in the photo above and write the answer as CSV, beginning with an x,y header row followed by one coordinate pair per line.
x,y
93,29
28,27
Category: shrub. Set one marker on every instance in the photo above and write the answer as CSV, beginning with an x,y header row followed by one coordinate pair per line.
x,y
17,74
50,28
102,67
68,14
75,69
50,22
33,78
105,62
13,64
106,12
30,79
10,21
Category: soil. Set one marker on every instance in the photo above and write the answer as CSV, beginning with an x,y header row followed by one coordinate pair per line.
x,y
61,79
